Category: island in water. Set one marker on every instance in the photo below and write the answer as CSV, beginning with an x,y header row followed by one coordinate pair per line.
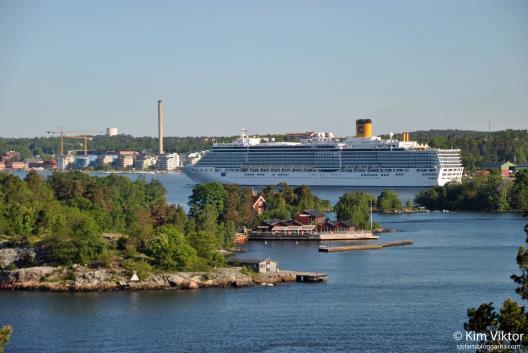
x,y
76,232
72,231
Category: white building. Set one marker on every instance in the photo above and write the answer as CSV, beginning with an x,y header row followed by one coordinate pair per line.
x,y
64,162
144,162
125,161
104,159
170,161
111,131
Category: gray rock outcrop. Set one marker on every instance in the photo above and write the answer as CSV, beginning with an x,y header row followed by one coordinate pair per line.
x,y
83,278
30,274
10,256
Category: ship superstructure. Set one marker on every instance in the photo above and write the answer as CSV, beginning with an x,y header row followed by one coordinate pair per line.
x,y
323,160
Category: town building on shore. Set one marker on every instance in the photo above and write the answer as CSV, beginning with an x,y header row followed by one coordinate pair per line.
x,y
127,153
64,162
144,162
119,160
10,156
125,161
16,165
104,160
169,162
82,162
39,164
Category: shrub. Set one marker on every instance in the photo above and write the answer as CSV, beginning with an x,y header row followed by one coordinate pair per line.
x,y
170,249
388,200
142,268
354,206
5,333
247,271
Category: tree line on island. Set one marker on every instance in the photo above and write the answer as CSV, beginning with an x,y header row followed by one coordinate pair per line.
x,y
480,193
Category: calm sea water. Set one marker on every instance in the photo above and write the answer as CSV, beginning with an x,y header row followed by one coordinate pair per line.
x,y
406,299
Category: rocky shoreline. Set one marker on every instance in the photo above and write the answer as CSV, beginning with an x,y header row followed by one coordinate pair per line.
x,y
82,278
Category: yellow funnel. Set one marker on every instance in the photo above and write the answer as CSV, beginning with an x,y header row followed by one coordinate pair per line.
x,y
363,128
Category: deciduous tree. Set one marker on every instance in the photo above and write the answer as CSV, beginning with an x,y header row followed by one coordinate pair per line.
x,y
355,207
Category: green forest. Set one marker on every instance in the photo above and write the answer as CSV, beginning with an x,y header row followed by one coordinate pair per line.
x,y
481,193
477,146
76,218
285,202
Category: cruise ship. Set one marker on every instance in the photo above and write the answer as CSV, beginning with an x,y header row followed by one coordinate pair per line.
x,y
323,160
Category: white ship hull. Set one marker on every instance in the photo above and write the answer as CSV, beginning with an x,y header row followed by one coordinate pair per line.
x,y
407,178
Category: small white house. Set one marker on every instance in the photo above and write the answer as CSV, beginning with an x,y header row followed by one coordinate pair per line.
x,y
257,265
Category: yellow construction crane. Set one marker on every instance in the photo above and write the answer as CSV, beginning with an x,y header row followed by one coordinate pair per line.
x,y
77,135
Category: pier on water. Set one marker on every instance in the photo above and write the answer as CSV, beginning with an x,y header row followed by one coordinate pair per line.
x,y
310,276
364,247
291,276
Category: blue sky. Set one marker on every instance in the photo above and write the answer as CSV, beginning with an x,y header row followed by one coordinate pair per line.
x,y
268,66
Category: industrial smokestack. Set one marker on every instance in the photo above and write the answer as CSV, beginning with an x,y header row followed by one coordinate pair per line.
x,y
160,126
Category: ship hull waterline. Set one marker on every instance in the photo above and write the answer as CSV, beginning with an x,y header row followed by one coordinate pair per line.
x,y
331,179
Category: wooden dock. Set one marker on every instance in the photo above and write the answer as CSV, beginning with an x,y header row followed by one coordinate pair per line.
x,y
364,247
311,277
283,276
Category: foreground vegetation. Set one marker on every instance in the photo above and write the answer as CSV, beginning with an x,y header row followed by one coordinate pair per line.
x,y
5,333
512,316
481,193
